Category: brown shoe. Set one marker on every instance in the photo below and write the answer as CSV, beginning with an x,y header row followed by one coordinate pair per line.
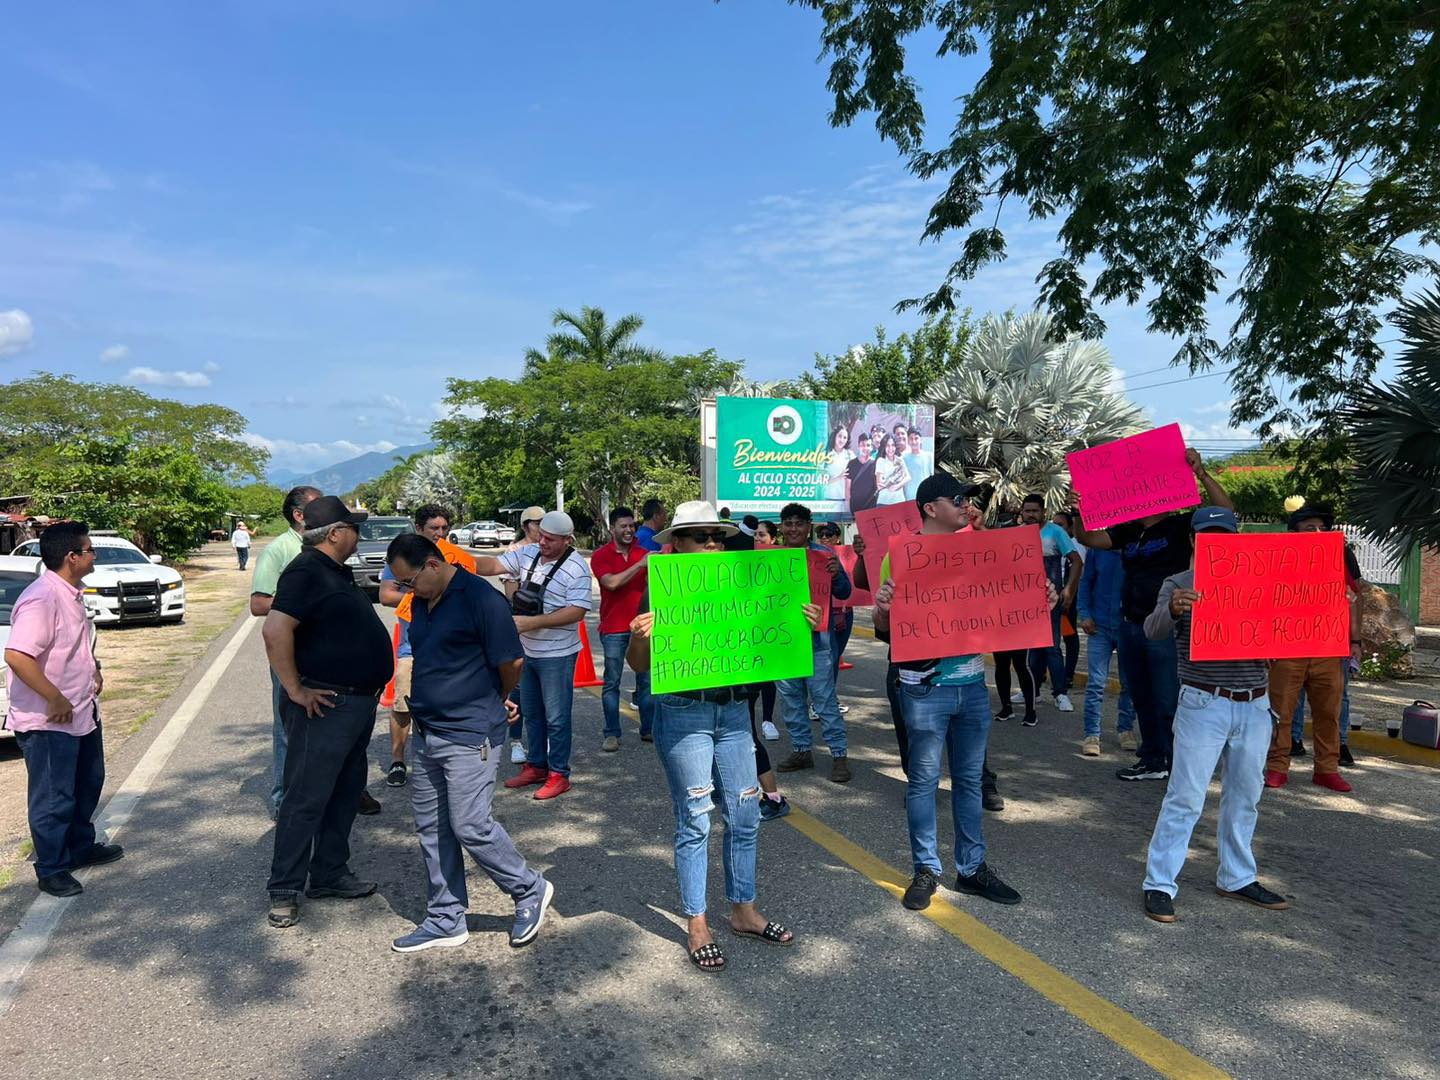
x,y
800,759
840,770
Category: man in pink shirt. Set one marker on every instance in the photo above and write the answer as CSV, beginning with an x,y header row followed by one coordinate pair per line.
x,y
54,685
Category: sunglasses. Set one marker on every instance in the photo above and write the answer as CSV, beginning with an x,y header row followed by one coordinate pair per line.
x,y
84,551
718,536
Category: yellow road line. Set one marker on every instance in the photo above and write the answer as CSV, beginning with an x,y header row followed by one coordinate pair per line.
x,y
1372,742
1168,1058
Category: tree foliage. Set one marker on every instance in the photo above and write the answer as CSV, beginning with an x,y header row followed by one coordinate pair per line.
x,y
257,504
1018,401
1395,431
1302,140
41,415
1259,491
885,371
430,478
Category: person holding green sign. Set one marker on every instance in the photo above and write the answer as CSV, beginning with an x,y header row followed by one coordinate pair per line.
x,y
705,742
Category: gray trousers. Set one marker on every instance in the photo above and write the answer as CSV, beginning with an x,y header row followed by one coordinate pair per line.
x,y
451,787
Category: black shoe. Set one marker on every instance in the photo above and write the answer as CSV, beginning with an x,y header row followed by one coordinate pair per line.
x,y
1297,748
395,775
1159,906
1257,894
61,884
368,803
922,888
1004,714
799,759
1141,771
1028,720
1345,756
991,799
348,887
770,810
985,884
99,855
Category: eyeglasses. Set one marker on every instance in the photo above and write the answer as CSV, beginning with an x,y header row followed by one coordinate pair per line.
x,y
84,551
718,536
409,585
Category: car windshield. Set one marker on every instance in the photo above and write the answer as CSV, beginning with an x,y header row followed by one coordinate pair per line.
x,y
119,556
12,584
384,530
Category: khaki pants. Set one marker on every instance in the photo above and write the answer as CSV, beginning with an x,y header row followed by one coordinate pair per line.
x,y
403,667
1323,681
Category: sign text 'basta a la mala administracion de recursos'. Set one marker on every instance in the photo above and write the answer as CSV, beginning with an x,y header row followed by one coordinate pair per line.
x,y
836,457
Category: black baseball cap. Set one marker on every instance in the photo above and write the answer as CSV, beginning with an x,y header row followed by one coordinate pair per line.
x,y
942,485
331,510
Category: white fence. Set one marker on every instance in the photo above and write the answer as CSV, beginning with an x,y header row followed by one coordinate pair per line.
x,y
1377,565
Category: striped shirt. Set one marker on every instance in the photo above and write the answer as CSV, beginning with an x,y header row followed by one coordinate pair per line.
x,y
570,587
1231,674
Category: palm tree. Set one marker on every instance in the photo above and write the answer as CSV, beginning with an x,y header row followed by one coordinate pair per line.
x,y
1019,401
431,479
1395,433
589,337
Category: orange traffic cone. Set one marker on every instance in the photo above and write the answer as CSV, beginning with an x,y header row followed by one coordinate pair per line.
x,y
584,663
387,699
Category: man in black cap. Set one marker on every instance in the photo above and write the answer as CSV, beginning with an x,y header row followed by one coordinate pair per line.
x,y
332,656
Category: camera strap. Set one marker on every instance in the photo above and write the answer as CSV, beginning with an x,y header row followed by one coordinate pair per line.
x,y
554,569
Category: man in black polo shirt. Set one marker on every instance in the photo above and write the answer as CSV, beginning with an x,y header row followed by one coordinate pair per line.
x,y
332,656
1152,549
467,660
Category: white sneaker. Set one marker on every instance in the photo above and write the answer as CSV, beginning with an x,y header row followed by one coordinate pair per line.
x,y
1062,702
844,708
517,754
770,731
1017,697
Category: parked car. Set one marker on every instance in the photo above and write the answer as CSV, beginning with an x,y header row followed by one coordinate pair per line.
x,y
464,534
16,574
126,586
489,534
369,558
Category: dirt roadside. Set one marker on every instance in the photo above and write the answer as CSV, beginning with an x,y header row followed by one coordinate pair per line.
x,y
143,666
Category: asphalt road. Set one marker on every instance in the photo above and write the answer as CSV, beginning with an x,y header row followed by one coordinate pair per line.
x,y
165,967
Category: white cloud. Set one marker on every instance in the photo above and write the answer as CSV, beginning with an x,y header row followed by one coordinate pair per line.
x,y
148,376
210,367
17,331
298,454
113,354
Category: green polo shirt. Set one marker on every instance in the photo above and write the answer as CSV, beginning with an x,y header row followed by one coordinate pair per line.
x,y
272,560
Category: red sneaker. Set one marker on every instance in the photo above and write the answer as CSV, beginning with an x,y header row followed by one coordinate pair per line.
x,y
1332,780
555,785
530,774
1272,778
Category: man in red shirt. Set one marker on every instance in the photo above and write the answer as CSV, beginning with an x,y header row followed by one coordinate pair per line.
x,y
620,568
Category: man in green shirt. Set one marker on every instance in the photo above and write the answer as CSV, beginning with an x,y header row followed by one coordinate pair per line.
x,y
272,561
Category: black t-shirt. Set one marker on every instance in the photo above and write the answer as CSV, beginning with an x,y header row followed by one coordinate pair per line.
x,y
862,484
1149,556
340,639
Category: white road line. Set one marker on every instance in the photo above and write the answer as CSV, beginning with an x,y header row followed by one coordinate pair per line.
x,y
30,937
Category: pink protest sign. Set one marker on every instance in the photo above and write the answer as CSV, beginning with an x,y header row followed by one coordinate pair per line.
x,y
1130,478
820,582
877,526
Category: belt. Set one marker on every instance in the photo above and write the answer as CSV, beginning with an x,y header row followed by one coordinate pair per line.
x,y
351,691
723,696
1241,696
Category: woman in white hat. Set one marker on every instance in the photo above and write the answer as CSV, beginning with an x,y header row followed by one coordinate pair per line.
x,y
705,742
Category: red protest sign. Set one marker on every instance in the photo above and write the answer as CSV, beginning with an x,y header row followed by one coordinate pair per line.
x,y
877,526
968,592
820,582
1130,478
1268,596
858,597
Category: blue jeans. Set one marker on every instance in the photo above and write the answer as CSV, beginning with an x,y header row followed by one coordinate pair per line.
x,y
65,774
614,646
547,694
709,757
1050,658
838,640
1148,668
277,742
1211,729
1297,722
957,720
821,690
1097,660
451,789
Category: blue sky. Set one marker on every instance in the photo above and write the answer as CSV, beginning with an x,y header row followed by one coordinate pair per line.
x,y
317,212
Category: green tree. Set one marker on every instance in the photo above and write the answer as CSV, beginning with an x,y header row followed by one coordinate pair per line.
x,y
40,416
885,371
1302,140
431,479
590,338
382,493
258,505
1258,491
1395,430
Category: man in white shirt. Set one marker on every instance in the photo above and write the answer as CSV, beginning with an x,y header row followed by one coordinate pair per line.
x,y
240,541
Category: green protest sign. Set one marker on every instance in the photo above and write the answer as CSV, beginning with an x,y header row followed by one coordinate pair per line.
x,y
727,618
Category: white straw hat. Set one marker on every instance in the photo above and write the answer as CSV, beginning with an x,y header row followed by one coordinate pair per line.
x,y
695,514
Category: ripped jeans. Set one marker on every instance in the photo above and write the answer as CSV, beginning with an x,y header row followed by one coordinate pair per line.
x,y
709,758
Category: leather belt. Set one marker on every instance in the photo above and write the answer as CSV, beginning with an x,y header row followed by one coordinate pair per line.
x,y
1240,696
723,696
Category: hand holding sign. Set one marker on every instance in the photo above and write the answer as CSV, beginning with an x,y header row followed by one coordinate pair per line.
x,y
877,526
1130,478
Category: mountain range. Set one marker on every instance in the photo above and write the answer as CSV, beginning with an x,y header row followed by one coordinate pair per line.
x,y
345,476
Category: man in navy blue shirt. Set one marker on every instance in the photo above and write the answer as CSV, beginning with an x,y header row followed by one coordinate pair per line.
x,y
467,659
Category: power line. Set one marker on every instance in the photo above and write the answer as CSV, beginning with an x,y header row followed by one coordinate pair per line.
x,y
1175,382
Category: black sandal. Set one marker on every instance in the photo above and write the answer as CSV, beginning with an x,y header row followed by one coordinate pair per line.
x,y
773,933
284,911
710,952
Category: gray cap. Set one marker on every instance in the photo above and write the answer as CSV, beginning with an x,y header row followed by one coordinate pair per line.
x,y
557,523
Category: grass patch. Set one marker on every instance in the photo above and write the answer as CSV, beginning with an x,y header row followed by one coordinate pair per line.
x,y
27,848
132,726
7,875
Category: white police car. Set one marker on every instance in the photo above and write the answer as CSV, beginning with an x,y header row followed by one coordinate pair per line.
x,y
16,574
125,585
